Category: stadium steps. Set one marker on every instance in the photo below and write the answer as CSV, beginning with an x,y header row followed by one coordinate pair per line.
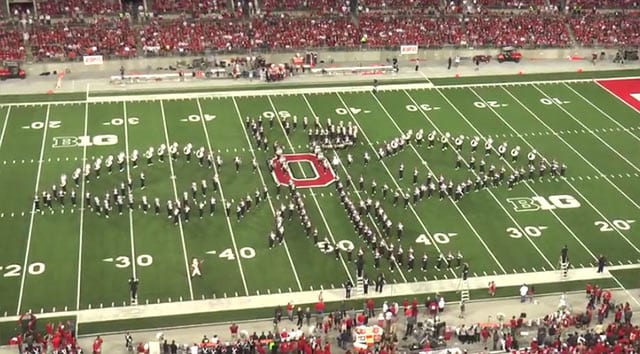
x,y
4,9
572,37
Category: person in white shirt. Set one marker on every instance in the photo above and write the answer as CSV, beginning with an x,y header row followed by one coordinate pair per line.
x,y
523,292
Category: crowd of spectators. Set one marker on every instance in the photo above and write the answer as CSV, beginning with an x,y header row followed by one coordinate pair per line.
x,y
181,36
328,24
385,30
526,29
71,8
279,32
323,6
11,45
597,4
192,6
108,37
612,30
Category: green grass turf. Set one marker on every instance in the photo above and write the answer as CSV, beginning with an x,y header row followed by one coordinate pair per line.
x,y
628,278
598,74
76,259
92,328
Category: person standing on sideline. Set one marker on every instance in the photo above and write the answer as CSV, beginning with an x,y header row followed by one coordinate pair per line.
x,y
462,308
348,285
601,262
234,331
379,282
492,288
97,345
564,255
128,342
417,64
531,293
133,288
290,311
524,289
449,62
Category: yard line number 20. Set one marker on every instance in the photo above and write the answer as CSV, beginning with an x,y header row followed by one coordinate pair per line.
x,y
15,270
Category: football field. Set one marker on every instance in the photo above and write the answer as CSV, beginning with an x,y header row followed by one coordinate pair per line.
x,y
70,257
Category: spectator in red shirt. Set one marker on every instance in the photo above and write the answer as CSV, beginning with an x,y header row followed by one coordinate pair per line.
x,y
370,308
97,345
234,331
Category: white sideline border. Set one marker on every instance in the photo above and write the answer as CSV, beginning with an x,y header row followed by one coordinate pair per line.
x,y
256,92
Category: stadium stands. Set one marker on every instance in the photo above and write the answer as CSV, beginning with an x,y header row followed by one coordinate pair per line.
x,y
67,8
181,36
525,29
384,30
177,6
400,4
11,45
599,4
278,32
325,6
319,23
108,37
609,30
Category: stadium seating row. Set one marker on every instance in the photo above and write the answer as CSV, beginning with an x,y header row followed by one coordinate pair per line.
x,y
67,8
115,37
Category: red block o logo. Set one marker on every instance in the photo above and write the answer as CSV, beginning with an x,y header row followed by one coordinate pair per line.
x,y
324,176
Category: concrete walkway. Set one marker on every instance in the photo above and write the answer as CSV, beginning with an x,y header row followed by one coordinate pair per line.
x,y
485,311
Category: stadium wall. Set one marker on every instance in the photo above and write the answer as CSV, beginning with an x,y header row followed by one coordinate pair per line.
x,y
427,57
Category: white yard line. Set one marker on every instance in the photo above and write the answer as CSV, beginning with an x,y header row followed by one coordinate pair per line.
x,y
224,201
313,195
623,288
424,163
614,95
393,179
511,167
624,158
264,183
585,160
33,211
527,184
175,195
82,191
605,113
373,222
4,126
128,155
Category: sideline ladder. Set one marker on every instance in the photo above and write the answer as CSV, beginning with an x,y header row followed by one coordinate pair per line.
x,y
464,291
564,269
360,286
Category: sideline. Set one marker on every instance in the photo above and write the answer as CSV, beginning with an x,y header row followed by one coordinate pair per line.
x,y
333,295
293,91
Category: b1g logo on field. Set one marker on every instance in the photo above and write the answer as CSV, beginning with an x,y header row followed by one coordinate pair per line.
x,y
323,176
84,140
541,203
